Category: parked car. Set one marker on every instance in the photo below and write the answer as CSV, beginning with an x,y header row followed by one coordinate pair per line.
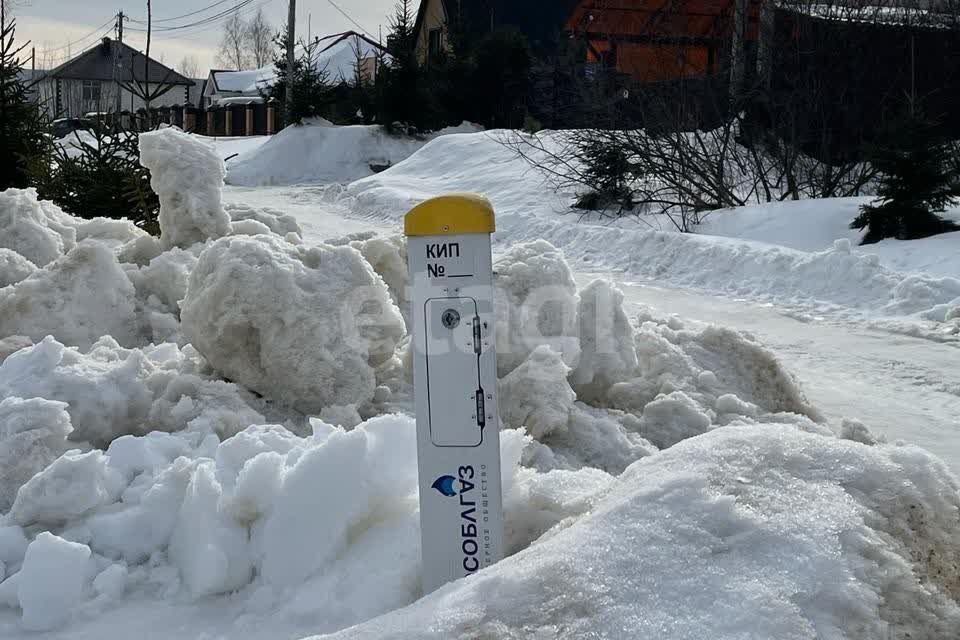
x,y
64,126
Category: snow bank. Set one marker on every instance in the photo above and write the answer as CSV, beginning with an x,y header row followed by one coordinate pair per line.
x,y
305,327
529,209
187,176
78,298
705,525
318,152
36,229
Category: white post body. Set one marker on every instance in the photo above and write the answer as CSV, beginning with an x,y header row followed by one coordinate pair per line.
x,y
455,384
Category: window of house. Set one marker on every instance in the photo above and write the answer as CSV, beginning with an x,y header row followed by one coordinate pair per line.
x,y
91,90
435,44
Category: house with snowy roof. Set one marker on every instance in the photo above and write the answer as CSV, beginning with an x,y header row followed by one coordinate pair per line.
x,y
108,77
340,56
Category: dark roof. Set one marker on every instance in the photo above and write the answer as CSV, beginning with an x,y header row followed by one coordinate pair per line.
x,y
329,41
97,62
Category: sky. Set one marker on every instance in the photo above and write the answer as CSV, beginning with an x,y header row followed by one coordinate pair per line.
x,y
52,25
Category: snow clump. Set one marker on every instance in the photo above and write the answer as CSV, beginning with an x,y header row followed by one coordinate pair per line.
x,y
78,298
13,267
306,327
33,433
537,304
111,391
187,175
36,229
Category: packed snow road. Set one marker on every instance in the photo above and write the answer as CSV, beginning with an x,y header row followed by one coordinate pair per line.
x,y
899,386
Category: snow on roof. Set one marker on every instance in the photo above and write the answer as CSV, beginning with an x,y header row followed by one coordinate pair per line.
x,y
336,55
247,82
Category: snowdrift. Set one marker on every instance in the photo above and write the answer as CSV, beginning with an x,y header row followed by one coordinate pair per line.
x,y
319,152
839,277
214,426
748,532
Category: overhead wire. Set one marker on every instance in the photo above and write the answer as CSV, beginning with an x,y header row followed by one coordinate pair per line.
x,y
203,21
86,37
348,17
58,60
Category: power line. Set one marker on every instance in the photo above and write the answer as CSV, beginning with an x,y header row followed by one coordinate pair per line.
x,y
204,21
347,16
70,44
185,15
184,34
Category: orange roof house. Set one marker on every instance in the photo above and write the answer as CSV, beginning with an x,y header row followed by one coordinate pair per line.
x,y
659,40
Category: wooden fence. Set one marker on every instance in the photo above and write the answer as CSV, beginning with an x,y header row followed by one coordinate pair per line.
x,y
253,118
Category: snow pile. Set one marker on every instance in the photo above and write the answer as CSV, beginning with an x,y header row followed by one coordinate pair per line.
x,y
187,176
305,327
78,298
294,522
111,391
866,547
36,229
318,152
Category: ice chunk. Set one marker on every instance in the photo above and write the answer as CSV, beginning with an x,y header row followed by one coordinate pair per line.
x,y
210,552
303,326
53,580
74,485
187,175
36,229
33,433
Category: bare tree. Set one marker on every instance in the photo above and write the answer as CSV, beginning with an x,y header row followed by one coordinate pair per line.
x,y
189,67
233,44
259,40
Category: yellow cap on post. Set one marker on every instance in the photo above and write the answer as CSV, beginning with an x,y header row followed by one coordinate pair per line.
x,y
452,214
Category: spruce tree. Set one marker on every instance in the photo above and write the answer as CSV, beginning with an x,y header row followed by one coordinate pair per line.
x,y
917,182
312,94
23,124
403,98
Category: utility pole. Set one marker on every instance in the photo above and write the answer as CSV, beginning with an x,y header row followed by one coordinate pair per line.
x,y
291,30
117,71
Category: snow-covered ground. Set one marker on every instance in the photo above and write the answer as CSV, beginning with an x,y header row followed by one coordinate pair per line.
x,y
703,415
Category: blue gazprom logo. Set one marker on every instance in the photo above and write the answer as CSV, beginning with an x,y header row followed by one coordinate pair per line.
x,y
444,484
468,529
